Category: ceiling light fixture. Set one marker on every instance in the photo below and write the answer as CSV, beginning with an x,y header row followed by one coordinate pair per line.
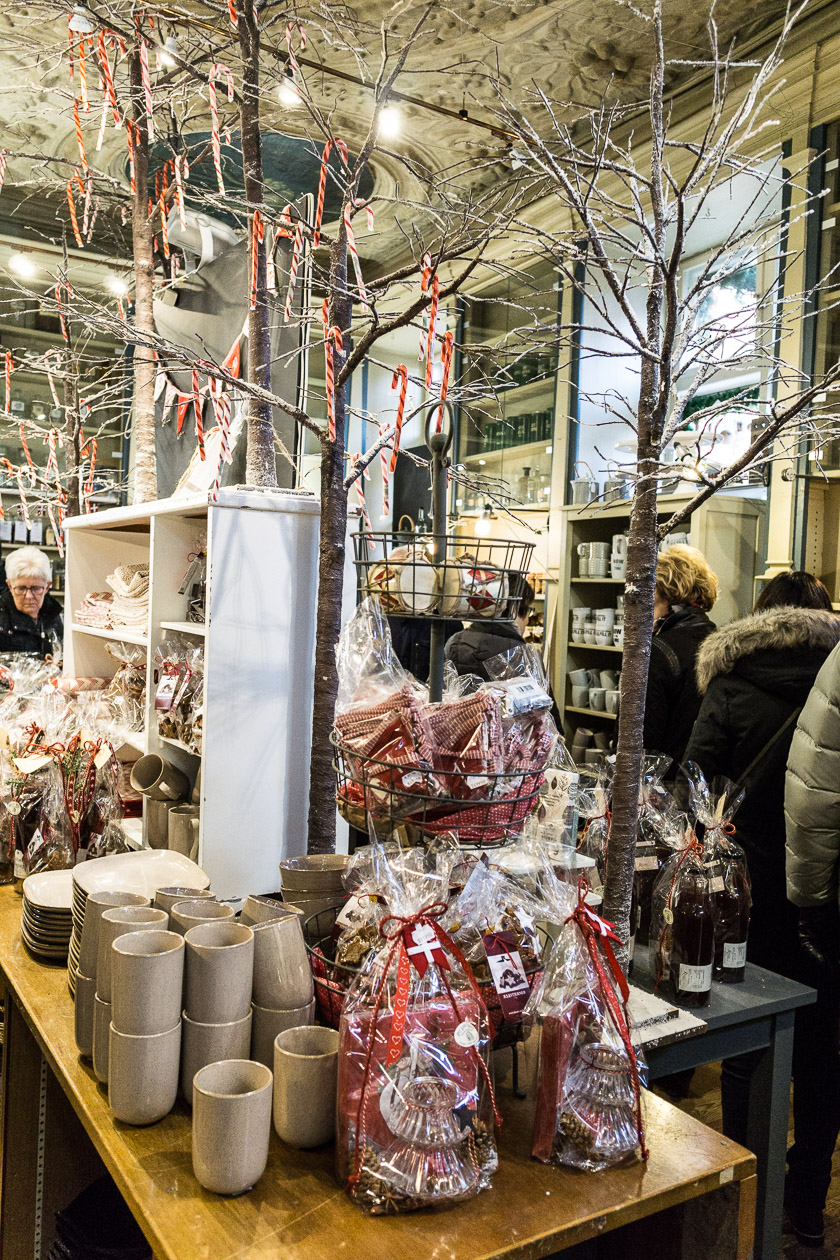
x,y
390,122
167,57
80,20
287,90
23,265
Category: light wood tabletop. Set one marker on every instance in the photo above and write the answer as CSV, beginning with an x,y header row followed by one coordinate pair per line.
x,y
299,1211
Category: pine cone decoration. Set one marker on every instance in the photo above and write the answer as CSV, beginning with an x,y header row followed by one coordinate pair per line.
x,y
485,1147
575,1129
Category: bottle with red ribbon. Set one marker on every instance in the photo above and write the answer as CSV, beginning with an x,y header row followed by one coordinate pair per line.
x,y
682,924
416,1108
589,1111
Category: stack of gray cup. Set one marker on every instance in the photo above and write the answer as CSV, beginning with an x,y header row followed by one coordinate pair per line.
x,y
115,923
85,992
283,993
217,996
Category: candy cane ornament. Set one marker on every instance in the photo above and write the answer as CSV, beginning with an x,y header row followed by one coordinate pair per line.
x,y
32,473
179,189
147,87
197,405
257,238
401,375
83,92
129,135
322,185
4,157
332,341
383,455
354,255
9,369
290,29
297,249
217,70
430,339
446,362
73,218
80,140
232,14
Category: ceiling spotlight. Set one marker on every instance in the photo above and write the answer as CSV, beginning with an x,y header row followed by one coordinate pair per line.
x,y
23,265
287,90
167,56
390,122
117,286
80,20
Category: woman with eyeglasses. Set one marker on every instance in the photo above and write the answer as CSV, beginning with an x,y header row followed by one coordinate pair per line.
x,y
30,618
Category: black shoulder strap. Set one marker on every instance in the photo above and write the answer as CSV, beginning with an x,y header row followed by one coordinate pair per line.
x,y
742,778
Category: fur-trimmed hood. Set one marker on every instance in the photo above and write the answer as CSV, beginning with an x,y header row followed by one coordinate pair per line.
x,y
775,630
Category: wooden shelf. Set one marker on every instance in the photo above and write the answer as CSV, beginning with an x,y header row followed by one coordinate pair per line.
x,y
512,452
599,581
124,636
599,713
596,647
185,627
176,743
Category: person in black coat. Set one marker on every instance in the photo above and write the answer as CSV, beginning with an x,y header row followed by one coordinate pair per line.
x,y
30,618
686,589
470,648
754,676
411,638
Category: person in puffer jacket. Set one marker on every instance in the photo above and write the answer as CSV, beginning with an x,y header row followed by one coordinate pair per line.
x,y
812,816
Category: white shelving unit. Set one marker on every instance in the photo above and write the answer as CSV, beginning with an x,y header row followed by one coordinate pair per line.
x,y
262,575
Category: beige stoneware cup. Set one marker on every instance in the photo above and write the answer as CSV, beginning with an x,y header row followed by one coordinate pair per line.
x,y
219,972
83,1014
305,1076
118,922
147,980
261,909
188,914
95,906
267,1023
143,1075
166,898
282,975
208,1043
231,1125
101,1036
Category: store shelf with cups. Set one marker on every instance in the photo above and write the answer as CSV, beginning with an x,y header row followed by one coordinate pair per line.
x,y
258,632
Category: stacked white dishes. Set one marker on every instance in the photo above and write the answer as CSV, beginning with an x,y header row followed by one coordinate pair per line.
x,y
47,922
143,871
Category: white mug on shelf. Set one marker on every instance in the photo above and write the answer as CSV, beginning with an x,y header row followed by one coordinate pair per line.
x,y
579,677
599,551
618,566
618,635
604,618
619,545
599,568
597,698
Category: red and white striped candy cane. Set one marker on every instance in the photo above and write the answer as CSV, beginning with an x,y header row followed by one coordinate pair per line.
x,y
430,338
23,501
9,370
322,185
218,71
401,375
361,204
80,140
164,230
4,157
61,318
86,209
197,406
51,443
232,12
284,224
105,66
73,219
290,29
83,92
96,205
59,535
383,455
48,354
332,341
147,87
297,249
446,362
354,254
360,492
89,446
257,237
70,46
129,136
221,408
28,454
179,189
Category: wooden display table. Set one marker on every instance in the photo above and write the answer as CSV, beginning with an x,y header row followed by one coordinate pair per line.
x,y
695,1198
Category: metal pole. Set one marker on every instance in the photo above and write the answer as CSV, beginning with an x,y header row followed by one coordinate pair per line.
x,y
438,444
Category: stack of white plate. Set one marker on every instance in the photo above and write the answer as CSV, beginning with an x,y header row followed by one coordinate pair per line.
x,y
143,871
46,921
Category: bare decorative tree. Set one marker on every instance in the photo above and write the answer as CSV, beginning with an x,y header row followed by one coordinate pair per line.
x,y
628,188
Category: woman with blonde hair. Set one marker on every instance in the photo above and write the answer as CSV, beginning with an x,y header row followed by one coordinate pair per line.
x,y
686,589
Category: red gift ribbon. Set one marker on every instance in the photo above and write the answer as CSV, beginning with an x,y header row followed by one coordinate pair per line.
x,y
598,934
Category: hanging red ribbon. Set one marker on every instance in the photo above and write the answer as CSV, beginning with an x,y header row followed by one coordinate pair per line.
x,y
401,375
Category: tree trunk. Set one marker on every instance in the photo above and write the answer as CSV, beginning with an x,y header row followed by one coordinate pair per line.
x,y
145,463
330,579
260,462
72,443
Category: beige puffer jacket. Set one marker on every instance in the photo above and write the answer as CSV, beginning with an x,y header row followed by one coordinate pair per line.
x,y
812,793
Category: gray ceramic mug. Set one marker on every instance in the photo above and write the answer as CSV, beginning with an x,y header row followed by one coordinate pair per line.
x,y
219,972
231,1125
208,1043
147,979
118,922
305,1077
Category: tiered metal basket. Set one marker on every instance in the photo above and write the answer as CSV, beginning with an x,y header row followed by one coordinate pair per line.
x,y
333,979
442,577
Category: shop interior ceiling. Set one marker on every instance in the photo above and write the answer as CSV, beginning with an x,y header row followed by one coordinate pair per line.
x,y
576,50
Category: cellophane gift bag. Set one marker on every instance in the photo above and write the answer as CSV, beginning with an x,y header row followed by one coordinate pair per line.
x,y
714,805
415,1100
589,1111
682,924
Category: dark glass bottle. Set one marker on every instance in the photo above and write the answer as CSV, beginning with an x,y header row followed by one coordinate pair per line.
x,y
692,952
732,904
